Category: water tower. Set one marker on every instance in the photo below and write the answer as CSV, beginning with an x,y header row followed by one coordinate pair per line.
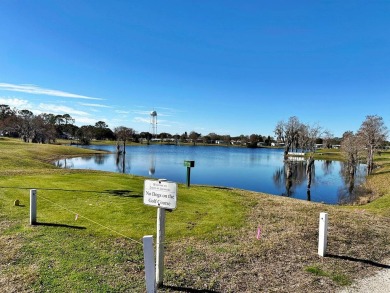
x,y
153,122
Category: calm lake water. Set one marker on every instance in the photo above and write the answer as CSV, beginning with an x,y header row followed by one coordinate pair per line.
x,y
259,169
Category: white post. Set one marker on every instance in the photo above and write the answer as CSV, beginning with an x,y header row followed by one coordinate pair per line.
x,y
150,274
160,246
322,234
33,206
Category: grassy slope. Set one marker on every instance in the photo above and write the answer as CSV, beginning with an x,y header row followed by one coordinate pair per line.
x,y
211,240
377,198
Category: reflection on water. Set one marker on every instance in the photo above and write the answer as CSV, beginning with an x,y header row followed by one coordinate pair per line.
x,y
262,170
152,166
65,163
99,159
352,187
292,175
123,162
327,167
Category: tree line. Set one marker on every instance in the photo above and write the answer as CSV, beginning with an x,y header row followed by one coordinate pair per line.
x,y
292,134
47,127
356,147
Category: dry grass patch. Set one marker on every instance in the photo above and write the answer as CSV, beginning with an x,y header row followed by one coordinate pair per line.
x,y
285,258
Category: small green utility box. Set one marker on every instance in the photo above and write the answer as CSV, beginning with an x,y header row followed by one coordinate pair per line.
x,y
189,164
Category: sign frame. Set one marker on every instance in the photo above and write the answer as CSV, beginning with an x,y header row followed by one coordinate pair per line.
x,y
189,164
160,193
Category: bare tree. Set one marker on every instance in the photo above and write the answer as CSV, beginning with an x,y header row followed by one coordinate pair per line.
x,y
280,131
351,148
7,119
42,130
373,133
313,133
304,137
288,133
123,134
307,140
327,137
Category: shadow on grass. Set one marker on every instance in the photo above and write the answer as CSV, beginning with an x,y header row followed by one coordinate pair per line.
x,y
189,290
366,261
60,225
122,193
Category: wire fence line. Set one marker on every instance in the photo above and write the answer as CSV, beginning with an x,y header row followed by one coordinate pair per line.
x,y
78,215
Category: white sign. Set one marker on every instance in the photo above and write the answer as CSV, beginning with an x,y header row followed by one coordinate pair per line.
x,y
160,193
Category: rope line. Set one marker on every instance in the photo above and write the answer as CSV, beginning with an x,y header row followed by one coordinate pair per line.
x,y
88,219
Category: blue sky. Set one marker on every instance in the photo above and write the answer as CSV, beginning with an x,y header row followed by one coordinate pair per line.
x,y
229,67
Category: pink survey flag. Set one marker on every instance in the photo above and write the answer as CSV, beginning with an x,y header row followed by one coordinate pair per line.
x,y
258,233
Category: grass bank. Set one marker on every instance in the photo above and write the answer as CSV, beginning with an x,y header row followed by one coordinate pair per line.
x,y
91,224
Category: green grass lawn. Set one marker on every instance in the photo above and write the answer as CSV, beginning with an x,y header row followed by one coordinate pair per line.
x,y
90,226
109,207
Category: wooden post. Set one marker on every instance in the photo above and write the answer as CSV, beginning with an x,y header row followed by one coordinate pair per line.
x,y
33,206
160,247
150,274
322,234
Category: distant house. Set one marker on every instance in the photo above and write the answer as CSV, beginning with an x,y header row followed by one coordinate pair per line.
x,y
278,144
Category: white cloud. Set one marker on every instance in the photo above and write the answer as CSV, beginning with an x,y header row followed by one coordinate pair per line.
x,y
163,115
141,112
15,102
36,90
81,120
141,120
55,109
122,112
94,105
95,110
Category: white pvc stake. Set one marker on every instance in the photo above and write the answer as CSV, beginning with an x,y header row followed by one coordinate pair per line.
x,y
323,234
160,246
150,274
33,206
